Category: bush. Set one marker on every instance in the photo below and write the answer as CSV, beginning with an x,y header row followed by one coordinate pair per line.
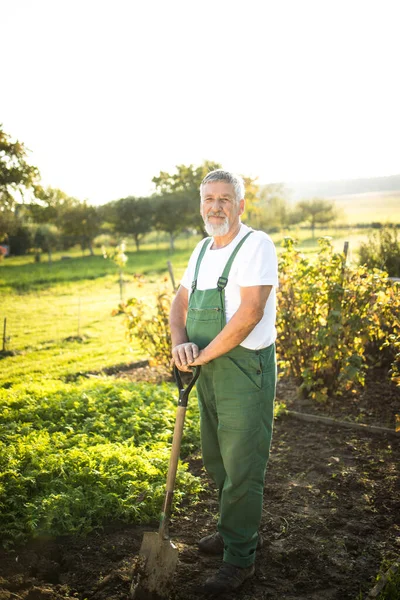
x,y
382,251
150,327
332,320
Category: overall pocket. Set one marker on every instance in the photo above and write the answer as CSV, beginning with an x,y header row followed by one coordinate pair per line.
x,y
204,324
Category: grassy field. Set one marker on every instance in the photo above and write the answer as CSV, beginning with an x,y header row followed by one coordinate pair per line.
x,y
372,207
59,315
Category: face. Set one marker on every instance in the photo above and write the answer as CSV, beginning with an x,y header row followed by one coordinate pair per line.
x,y
219,208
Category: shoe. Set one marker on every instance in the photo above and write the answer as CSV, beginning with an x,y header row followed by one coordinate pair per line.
x,y
227,578
214,544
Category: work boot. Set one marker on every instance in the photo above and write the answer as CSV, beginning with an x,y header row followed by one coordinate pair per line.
x,y
227,579
214,544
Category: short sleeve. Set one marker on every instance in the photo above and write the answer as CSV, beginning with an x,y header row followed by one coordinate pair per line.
x,y
258,263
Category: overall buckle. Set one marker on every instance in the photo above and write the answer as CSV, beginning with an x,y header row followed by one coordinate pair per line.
x,y
222,281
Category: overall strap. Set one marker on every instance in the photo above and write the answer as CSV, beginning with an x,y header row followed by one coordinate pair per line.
x,y
199,259
223,280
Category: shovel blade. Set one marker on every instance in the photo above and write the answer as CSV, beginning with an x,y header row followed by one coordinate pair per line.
x,y
160,560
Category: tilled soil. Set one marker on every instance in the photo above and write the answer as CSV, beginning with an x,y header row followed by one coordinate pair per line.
x,y
331,520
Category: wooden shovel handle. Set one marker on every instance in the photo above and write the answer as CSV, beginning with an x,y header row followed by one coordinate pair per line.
x,y
175,451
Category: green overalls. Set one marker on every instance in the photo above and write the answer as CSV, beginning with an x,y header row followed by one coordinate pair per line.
x,y
236,397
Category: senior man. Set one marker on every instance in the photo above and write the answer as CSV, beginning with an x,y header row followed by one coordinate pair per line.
x,y
223,318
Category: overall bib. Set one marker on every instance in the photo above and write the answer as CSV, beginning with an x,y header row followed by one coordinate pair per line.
x,y
236,398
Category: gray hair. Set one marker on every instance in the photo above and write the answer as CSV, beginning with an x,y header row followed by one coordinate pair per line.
x,y
227,177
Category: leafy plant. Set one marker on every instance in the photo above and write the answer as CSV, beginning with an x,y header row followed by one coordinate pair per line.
x,y
72,456
332,320
149,326
382,251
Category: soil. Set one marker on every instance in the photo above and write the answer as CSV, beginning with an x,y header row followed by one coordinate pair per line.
x,y
331,517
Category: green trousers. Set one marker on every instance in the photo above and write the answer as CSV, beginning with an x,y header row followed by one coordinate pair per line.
x,y
236,397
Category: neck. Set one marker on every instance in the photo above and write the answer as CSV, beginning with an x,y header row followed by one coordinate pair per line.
x,y
222,241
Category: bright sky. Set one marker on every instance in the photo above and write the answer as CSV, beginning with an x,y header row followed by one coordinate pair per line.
x,y
107,93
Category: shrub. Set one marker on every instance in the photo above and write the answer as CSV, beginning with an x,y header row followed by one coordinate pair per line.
x,y
382,251
149,326
332,320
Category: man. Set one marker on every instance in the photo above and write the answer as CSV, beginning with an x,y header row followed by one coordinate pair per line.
x,y
223,318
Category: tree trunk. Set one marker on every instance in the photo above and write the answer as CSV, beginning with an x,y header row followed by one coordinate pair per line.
x,y
50,256
137,243
171,242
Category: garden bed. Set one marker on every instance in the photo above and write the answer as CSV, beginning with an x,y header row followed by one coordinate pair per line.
x,y
329,521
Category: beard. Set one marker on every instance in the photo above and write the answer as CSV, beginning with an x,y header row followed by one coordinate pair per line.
x,y
217,229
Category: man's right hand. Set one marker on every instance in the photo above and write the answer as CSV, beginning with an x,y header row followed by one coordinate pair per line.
x,y
184,354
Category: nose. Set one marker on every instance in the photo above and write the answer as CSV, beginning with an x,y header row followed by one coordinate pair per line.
x,y
216,205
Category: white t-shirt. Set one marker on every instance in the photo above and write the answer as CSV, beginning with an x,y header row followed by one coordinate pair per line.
x,y
255,264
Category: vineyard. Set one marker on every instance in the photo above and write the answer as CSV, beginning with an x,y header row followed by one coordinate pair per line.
x,y
86,424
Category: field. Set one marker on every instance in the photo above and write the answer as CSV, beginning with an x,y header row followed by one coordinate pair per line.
x,y
371,207
84,439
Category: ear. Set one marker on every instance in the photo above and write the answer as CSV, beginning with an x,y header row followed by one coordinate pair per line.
x,y
241,206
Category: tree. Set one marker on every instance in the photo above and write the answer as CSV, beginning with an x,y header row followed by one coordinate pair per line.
x,y
8,223
46,239
184,183
133,216
173,214
16,174
50,206
274,207
81,223
317,211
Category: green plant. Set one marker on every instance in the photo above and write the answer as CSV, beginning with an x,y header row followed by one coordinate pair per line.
x,y
382,251
74,455
332,319
149,326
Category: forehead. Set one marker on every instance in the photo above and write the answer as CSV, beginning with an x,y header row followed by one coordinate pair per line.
x,y
218,188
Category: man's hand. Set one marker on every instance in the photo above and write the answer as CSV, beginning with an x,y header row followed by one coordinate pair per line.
x,y
184,355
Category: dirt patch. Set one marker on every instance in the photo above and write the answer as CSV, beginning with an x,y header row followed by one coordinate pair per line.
x,y
377,403
332,497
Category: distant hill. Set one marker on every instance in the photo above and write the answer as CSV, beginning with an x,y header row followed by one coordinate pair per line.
x,y
345,187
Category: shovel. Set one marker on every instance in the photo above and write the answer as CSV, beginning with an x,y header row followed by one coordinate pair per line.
x,y
158,556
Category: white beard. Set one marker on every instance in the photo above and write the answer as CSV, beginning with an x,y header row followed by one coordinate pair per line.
x,y
216,230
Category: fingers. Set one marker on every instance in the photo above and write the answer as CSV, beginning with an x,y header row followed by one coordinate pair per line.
x,y
184,355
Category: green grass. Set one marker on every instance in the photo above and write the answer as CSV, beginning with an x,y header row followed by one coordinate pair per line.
x,y
59,315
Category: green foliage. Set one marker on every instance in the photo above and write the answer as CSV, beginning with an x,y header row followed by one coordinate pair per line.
x,y
72,456
332,320
133,216
178,193
382,251
81,223
117,254
316,211
16,174
149,327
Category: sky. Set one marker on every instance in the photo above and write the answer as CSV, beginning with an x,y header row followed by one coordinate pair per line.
x,y
108,93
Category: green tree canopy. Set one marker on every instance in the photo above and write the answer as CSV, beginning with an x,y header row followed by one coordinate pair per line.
x,y
50,206
16,174
317,211
274,207
81,223
133,216
180,186
173,214
46,239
